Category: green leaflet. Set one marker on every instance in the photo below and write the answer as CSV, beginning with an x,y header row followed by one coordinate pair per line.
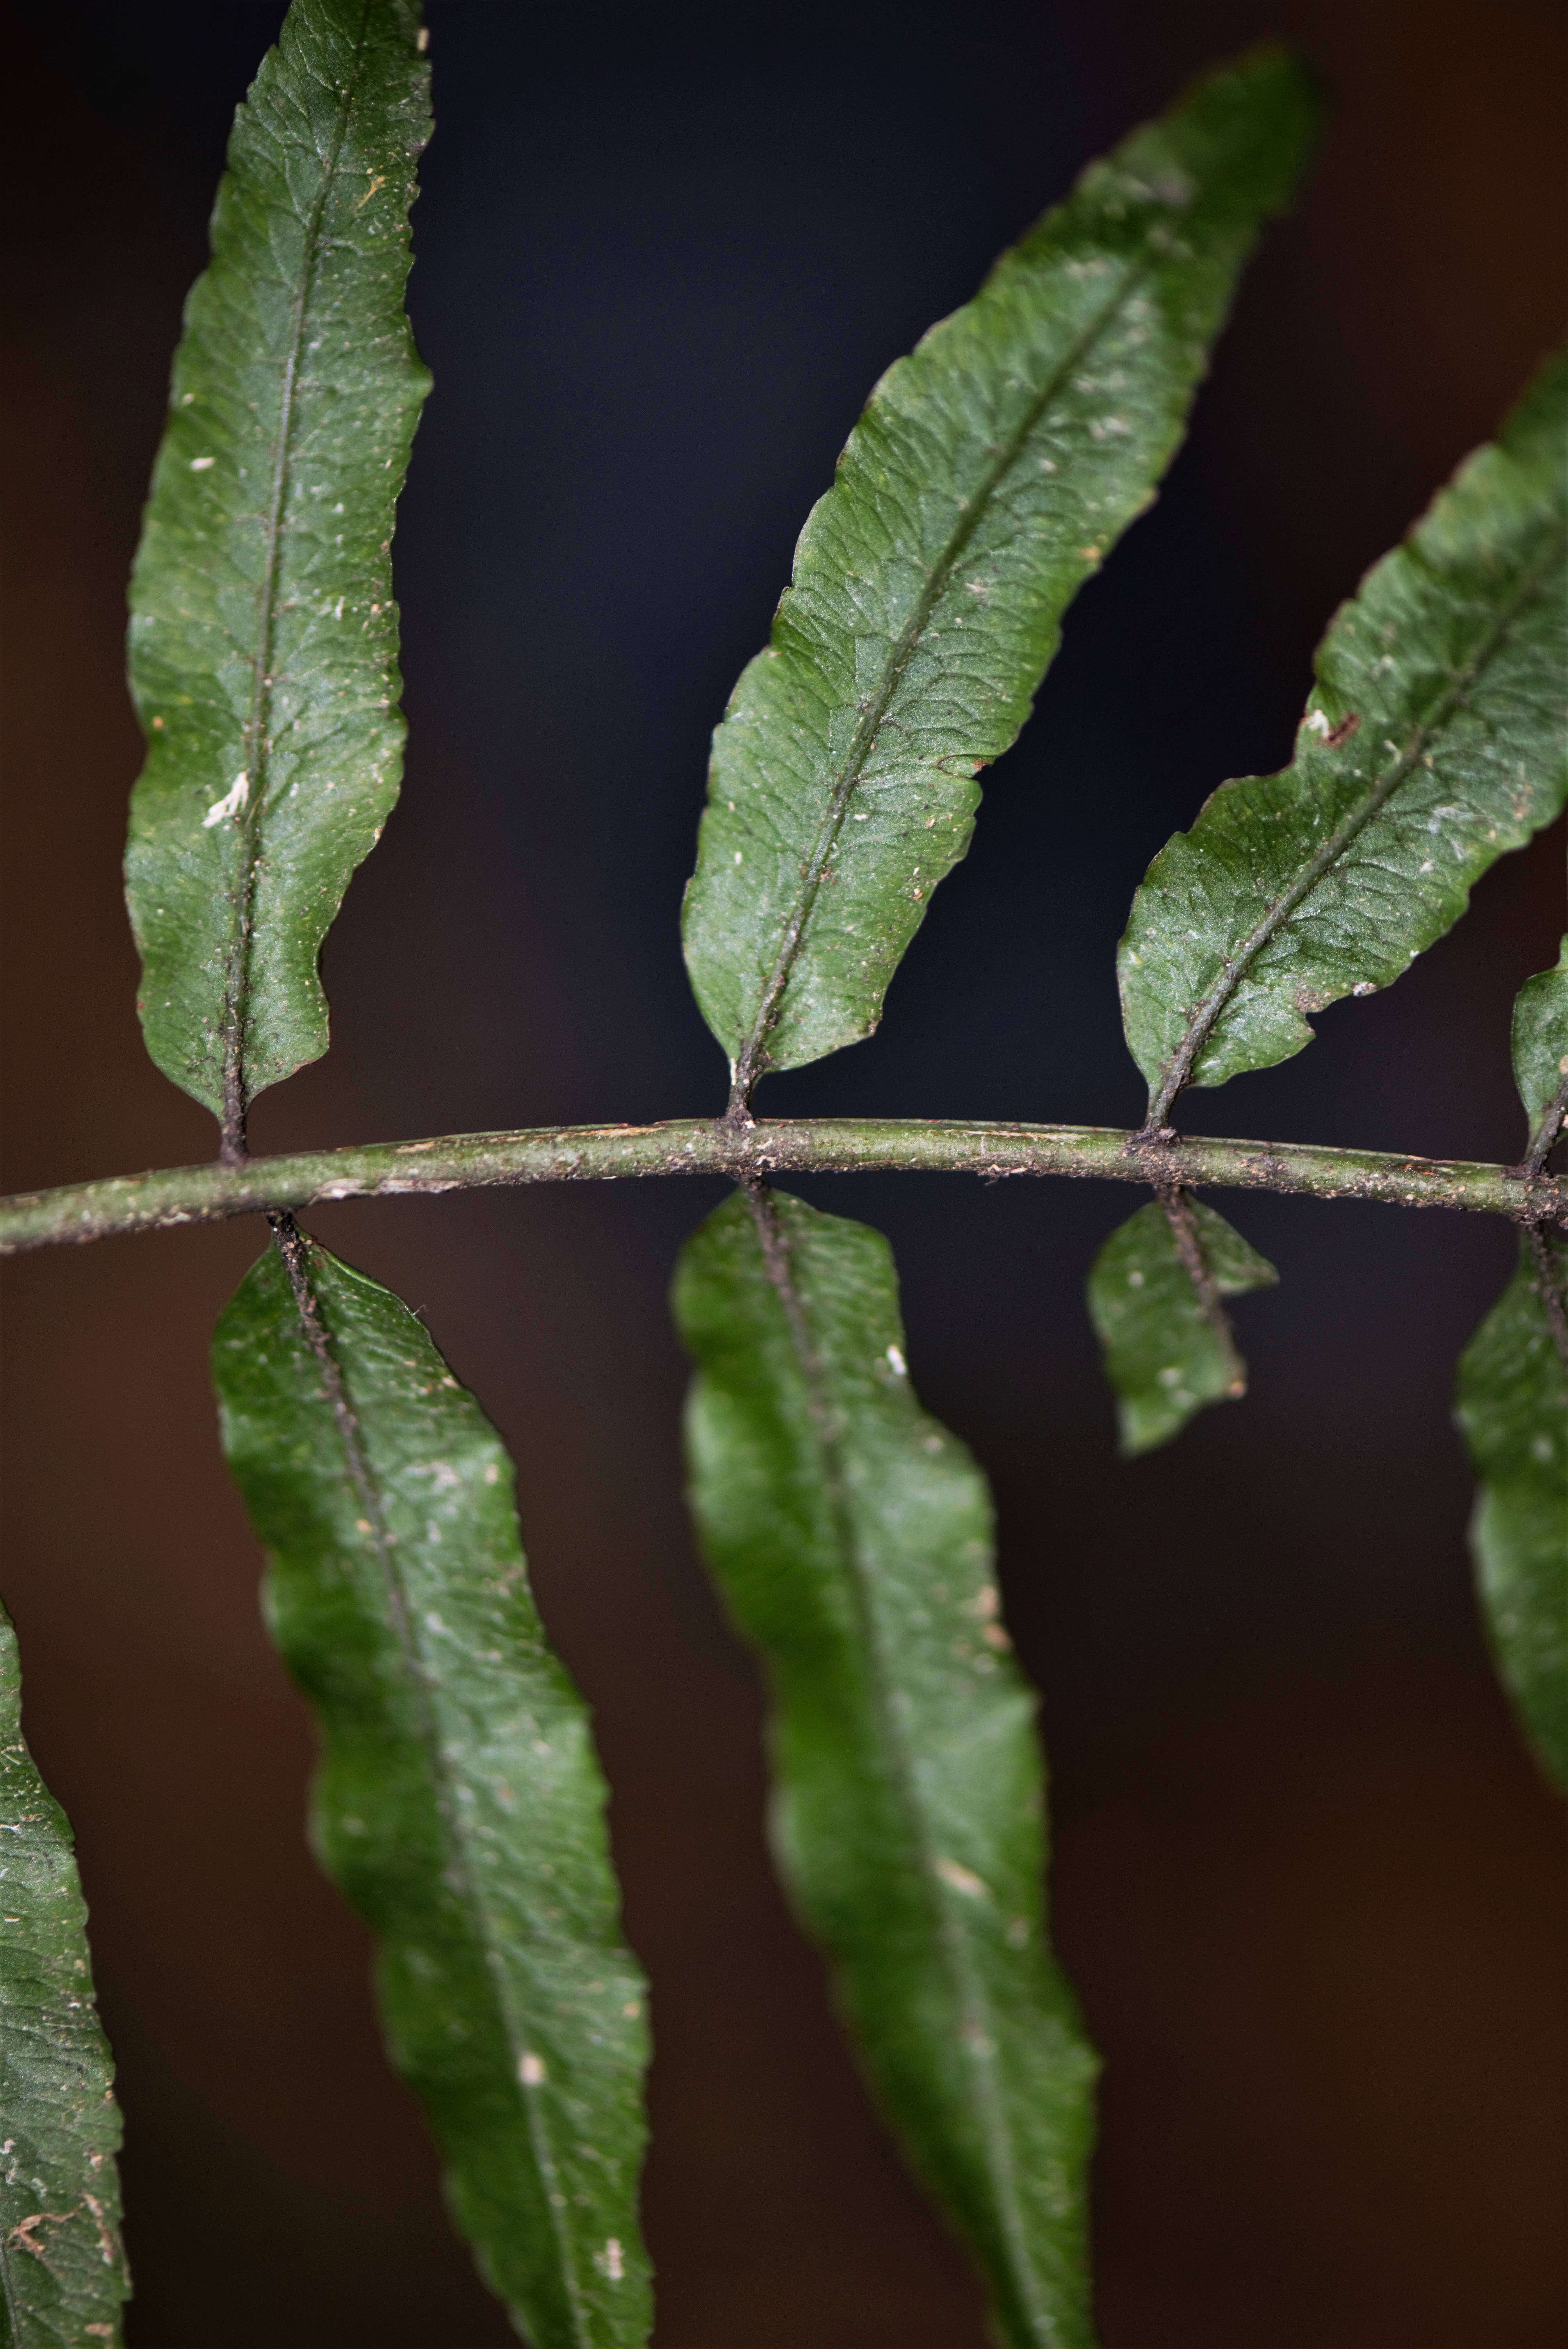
x,y
1540,1057
1433,741
63,2276
458,1804
851,1536
988,477
1512,1405
1154,1298
264,637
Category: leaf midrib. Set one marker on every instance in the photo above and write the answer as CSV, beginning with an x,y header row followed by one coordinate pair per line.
x,y
1543,1139
1208,1013
973,2003
1193,1259
749,1065
293,1249
253,741
1549,1287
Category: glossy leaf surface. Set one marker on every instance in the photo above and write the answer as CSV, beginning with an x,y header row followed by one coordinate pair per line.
x,y
63,2278
1155,1298
1540,1056
852,1537
989,476
1513,1408
458,1802
1433,741
263,640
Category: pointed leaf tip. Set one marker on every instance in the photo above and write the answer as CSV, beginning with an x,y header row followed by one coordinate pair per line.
x,y
263,634
991,474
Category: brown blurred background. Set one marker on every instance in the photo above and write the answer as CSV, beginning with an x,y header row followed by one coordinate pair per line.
x,y
1305,1877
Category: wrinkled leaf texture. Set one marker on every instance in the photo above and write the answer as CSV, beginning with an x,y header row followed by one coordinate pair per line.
x,y
852,1537
63,2277
459,1803
264,637
1433,741
1155,1302
989,476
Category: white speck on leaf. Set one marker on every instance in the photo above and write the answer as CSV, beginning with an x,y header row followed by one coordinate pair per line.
x,y
233,800
530,2070
897,1364
959,1879
202,465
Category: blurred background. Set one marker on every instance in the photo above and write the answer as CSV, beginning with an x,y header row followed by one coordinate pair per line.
x,y
1305,1877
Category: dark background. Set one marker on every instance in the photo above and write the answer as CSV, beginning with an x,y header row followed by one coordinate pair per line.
x,y
1304,1875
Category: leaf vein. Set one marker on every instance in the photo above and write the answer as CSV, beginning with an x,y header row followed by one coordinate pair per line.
x,y
748,1066
293,1249
1320,865
981,2037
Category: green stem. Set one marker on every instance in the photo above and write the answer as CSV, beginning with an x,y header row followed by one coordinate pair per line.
x,y
578,1154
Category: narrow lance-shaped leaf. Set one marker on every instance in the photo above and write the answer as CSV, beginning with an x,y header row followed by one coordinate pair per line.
x,y
1540,1057
1434,741
990,474
852,1537
1156,1296
1512,1405
459,1803
63,2278
263,639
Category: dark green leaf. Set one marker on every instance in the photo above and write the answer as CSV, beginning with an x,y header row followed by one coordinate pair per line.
x,y
853,1538
989,476
63,2276
459,1803
1155,1298
1540,1057
263,641
1513,1408
1433,741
